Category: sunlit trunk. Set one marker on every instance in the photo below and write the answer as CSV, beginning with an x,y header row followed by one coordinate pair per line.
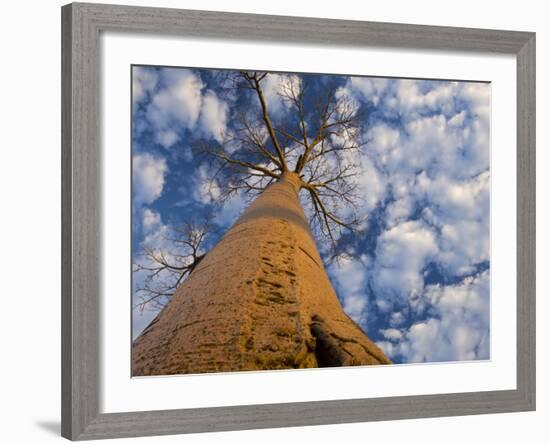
x,y
260,299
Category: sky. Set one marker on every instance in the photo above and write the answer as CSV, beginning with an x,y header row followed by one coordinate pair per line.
x,y
417,275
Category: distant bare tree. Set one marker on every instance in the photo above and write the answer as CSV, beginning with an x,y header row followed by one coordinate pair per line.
x,y
317,141
164,268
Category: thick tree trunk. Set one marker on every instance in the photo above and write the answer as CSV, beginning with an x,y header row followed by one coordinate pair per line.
x,y
261,299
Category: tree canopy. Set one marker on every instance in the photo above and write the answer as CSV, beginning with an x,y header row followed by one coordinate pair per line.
x,y
318,139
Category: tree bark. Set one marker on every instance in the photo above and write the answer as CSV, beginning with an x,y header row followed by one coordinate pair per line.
x,y
260,299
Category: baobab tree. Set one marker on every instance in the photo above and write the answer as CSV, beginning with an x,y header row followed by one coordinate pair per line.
x,y
261,298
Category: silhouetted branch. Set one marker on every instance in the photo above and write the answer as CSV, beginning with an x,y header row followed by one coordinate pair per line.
x,y
160,270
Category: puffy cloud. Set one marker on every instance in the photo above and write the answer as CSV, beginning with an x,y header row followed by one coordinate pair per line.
x,y
350,281
372,184
392,334
271,90
346,102
206,189
464,244
369,88
441,122
166,138
478,96
457,119
458,331
213,116
413,97
150,220
144,81
148,177
384,139
273,87
401,254
399,210
460,210
428,143
177,101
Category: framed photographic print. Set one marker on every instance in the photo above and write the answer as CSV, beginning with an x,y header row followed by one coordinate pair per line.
x,y
278,221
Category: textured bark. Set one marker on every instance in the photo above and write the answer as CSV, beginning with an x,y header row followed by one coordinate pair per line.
x,y
261,299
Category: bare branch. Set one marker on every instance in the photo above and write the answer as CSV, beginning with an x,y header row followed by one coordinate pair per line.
x,y
254,81
244,164
322,143
160,270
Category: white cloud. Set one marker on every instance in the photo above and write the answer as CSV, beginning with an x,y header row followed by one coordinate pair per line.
x,y
272,87
370,88
372,185
457,119
144,81
443,122
148,177
399,210
401,254
421,144
350,279
384,138
346,101
461,211
175,106
478,96
166,138
392,334
150,220
213,116
271,90
178,102
206,189
460,331
411,97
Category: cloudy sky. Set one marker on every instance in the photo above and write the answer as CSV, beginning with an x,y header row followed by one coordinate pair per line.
x,y
417,276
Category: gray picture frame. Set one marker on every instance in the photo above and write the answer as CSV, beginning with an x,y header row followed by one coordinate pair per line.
x,y
81,232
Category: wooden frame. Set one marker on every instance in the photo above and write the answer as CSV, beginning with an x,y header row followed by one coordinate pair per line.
x,y
81,168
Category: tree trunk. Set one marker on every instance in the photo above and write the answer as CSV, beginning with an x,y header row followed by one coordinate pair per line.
x,y
260,299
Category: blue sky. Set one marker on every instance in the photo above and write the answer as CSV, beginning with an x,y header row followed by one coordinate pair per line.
x,y
416,276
